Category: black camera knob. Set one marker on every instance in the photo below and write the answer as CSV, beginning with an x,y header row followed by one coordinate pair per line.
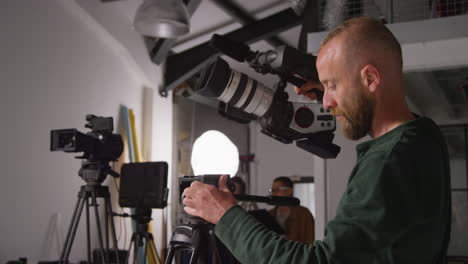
x,y
304,117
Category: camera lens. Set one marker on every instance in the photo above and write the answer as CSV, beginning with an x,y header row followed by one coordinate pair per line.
x,y
304,117
234,88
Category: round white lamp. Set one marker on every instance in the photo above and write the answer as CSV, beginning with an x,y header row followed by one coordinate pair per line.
x,y
214,153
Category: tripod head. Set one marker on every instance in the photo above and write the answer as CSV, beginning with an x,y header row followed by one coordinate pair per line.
x,y
95,172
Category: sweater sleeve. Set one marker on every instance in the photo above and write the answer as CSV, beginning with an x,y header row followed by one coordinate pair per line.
x,y
251,242
373,218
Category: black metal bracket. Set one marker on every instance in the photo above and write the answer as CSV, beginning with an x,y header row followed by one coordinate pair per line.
x,y
183,66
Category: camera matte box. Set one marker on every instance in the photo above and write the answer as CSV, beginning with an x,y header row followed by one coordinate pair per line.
x,y
143,185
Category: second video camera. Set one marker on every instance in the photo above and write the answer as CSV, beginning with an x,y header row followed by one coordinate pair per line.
x,y
97,145
243,99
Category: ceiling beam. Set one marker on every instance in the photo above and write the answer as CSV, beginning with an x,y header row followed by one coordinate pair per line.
x,y
182,66
244,18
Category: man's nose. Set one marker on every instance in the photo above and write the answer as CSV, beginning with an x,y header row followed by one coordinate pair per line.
x,y
328,100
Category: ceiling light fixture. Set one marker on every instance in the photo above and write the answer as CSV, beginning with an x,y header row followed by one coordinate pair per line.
x,y
162,18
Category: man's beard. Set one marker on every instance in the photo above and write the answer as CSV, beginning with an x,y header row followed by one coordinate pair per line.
x,y
357,114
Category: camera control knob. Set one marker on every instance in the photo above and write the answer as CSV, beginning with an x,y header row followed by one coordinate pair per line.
x,y
304,117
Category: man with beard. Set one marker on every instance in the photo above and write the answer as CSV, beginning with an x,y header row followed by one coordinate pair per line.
x,y
396,207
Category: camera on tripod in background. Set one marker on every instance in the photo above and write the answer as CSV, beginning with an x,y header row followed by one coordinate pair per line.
x,y
243,99
99,146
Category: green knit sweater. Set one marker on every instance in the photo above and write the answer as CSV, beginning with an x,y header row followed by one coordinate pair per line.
x,y
396,208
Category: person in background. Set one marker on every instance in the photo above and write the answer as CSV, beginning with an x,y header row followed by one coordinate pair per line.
x,y
296,221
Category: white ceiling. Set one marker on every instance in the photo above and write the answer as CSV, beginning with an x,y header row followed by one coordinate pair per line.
x,y
426,90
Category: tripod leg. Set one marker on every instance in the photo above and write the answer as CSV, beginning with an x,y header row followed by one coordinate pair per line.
x,y
114,235
98,223
106,221
145,256
194,257
88,232
72,230
216,258
152,247
135,248
170,255
132,242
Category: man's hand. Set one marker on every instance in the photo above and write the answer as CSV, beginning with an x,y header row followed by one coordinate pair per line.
x,y
307,89
207,201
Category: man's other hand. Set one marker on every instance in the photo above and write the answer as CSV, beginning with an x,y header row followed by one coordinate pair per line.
x,y
307,89
207,201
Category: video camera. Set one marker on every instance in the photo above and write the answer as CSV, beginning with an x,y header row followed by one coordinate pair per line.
x,y
99,144
243,99
99,147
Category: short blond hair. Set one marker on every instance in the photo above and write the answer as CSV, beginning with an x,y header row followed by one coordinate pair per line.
x,y
366,32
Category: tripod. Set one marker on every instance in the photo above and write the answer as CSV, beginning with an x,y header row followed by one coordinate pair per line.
x,y
142,216
197,236
92,172
196,239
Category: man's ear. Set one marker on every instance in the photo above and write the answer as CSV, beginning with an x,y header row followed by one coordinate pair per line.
x,y
370,77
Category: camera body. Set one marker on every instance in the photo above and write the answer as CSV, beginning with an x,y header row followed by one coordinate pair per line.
x,y
98,145
289,121
243,99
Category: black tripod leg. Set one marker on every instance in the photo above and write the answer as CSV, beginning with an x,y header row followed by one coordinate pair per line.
x,y
72,230
170,255
216,258
88,232
194,257
132,242
114,235
69,231
98,224
106,221
135,248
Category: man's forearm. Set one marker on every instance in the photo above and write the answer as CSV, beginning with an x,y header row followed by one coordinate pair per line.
x,y
251,242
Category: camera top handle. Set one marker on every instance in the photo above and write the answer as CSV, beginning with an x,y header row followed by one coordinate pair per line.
x,y
289,64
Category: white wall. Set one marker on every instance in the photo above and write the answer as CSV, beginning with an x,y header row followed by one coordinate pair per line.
x,y
59,64
274,159
207,118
